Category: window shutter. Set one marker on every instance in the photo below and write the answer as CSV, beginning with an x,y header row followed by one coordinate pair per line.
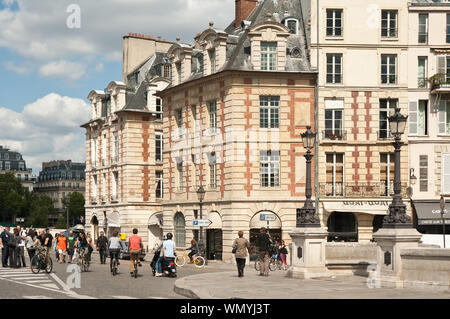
x,y
412,118
441,64
445,173
442,116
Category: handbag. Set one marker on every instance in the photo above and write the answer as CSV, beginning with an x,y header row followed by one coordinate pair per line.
x,y
234,250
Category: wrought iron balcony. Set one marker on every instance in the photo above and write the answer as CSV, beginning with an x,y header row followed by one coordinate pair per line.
x,y
385,135
440,83
334,135
93,200
352,190
114,198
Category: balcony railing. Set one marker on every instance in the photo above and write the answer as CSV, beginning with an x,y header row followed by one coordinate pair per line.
x,y
93,200
422,82
352,190
440,82
334,135
385,135
114,198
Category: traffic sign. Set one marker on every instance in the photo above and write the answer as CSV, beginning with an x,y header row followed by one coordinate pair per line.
x,y
268,217
437,211
201,222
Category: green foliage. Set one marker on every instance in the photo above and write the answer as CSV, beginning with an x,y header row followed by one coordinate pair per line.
x,y
61,223
41,207
75,203
12,197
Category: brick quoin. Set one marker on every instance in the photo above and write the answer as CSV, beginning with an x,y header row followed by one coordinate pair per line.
x,y
355,116
222,165
369,165
248,165
145,184
368,117
145,145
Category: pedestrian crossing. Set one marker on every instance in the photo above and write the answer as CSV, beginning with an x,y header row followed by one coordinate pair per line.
x,y
25,276
105,297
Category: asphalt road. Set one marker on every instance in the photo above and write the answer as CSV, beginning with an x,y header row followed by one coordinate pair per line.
x,y
96,283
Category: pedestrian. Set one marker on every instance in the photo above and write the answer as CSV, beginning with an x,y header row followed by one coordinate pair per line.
x,y
14,249
263,243
55,246
240,248
62,248
31,243
48,241
4,240
90,246
71,245
283,252
158,266
193,249
102,246
21,255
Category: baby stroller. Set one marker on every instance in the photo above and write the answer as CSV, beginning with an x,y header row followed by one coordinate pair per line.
x,y
154,260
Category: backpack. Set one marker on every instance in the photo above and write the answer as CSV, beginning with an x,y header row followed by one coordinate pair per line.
x,y
12,243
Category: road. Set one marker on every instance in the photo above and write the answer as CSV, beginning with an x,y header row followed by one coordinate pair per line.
x,y
97,283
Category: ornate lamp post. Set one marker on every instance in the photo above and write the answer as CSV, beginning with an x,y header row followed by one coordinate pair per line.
x,y
306,216
397,217
201,196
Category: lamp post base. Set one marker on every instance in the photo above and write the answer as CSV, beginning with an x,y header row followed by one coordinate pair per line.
x,y
308,253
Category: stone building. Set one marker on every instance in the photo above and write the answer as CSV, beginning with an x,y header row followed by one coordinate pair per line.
x,y
13,162
238,101
58,179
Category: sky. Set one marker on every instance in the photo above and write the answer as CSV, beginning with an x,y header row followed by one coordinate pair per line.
x,y
54,52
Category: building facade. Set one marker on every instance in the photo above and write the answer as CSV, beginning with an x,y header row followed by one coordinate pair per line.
x,y
57,180
13,162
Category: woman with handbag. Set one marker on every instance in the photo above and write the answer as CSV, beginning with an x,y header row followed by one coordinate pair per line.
x,y
283,252
240,248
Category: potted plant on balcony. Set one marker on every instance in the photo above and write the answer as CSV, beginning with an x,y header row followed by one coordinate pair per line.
x,y
331,136
436,80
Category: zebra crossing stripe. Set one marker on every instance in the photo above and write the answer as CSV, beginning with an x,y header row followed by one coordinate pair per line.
x,y
21,275
53,286
123,297
39,281
37,297
29,278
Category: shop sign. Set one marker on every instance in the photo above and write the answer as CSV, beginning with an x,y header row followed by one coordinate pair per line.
x,y
201,222
267,217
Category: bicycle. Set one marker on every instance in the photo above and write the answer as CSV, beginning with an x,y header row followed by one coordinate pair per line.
x,y
198,261
136,262
274,263
82,260
40,261
115,263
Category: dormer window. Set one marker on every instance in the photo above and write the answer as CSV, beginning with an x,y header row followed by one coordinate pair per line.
x,y
292,25
166,71
212,60
268,56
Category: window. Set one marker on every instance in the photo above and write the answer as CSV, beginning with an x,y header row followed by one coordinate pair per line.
x,y
270,168
159,184
70,185
158,108
159,146
418,118
21,166
167,71
423,28
387,161
333,124
334,23
104,141
387,108
6,155
334,68
116,147
334,174
19,177
7,165
180,230
104,108
445,174
422,73
195,176
292,25
444,117
423,173
448,29
26,177
388,68
268,56
179,119
389,23
212,171
269,111
115,188
213,116
212,60
180,176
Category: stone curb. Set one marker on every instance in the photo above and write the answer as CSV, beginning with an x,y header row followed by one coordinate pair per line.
x,y
182,288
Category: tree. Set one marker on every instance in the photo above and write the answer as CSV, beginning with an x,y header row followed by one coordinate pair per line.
x,y
12,197
41,207
61,223
75,203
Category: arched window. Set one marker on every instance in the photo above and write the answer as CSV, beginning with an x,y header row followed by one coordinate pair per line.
x,y
180,230
342,227
377,222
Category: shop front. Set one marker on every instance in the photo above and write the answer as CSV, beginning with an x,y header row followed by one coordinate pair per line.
x,y
155,232
428,218
354,220
214,237
271,222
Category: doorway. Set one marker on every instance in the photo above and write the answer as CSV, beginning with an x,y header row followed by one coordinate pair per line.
x,y
214,248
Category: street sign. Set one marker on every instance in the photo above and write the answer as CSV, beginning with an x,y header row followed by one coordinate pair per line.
x,y
438,211
268,217
20,220
201,222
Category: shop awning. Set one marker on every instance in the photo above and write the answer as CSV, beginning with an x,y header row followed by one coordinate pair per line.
x,y
429,213
358,206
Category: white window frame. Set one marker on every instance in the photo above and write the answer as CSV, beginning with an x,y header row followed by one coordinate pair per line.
x,y
159,111
388,74
334,19
443,175
180,185
271,105
269,56
286,23
422,82
443,116
179,121
388,20
159,177
338,132
334,64
212,110
386,109
269,165
390,163
334,164
159,140
420,25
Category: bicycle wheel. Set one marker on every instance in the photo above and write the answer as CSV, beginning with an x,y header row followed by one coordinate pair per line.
x,y
114,270
273,265
199,262
135,270
180,261
86,266
49,265
257,265
35,264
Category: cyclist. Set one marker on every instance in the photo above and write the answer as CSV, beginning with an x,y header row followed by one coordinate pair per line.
x,y
114,247
168,249
81,244
193,249
134,248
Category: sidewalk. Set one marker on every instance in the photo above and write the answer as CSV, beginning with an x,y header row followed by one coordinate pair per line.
x,y
227,285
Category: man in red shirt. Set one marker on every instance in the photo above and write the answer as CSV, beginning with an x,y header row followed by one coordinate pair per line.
x,y
134,247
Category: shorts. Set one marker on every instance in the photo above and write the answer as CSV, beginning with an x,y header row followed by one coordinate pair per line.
x,y
70,251
61,252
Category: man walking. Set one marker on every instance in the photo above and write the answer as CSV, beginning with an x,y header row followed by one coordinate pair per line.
x,y
102,246
71,245
263,243
4,240
48,240
21,256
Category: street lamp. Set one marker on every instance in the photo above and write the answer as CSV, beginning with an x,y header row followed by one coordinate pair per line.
x,y
201,196
442,205
397,217
306,216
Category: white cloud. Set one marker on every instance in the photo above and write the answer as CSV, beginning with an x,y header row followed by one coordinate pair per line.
x,y
99,67
64,69
19,69
47,129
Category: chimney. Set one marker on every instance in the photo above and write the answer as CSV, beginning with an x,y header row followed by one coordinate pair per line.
x,y
243,9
